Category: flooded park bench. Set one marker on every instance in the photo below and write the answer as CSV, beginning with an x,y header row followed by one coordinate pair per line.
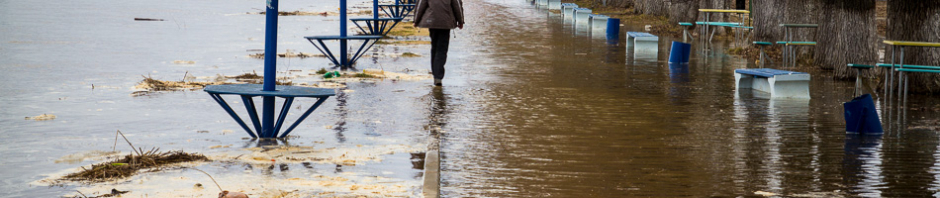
x,y
788,53
685,31
707,23
554,4
377,25
345,61
249,91
644,45
567,12
397,10
266,127
581,16
779,83
762,44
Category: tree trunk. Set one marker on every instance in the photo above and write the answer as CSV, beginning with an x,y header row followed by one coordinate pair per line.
x,y
802,12
722,17
683,11
767,19
847,34
620,3
916,20
651,7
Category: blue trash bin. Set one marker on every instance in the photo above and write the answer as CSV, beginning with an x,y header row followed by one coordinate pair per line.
x,y
679,53
861,116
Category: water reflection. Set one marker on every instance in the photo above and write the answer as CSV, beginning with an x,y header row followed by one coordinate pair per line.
x,y
862,165
342,112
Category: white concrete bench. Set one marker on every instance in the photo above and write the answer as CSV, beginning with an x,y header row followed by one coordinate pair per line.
x,y
581,16
779,83
645,45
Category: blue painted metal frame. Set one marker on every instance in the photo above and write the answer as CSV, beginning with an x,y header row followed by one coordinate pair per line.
x,y
249,91
266,126
344,63
376,26
397,10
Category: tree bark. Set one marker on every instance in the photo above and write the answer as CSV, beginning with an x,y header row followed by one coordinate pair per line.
x,y
620,3
802,12
767,19
650,7
847,34
683,11
916,20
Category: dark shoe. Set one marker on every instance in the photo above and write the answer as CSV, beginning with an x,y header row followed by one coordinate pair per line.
x,y
437,82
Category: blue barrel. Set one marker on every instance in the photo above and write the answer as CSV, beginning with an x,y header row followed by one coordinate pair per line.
x,y
613,30
680,52
861,116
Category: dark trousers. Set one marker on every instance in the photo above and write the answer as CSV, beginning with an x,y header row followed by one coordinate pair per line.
x,y
440,39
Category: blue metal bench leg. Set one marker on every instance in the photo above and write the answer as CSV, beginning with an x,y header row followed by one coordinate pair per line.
x,y
359,52
252,111
280,118
228,109
304,116
327,52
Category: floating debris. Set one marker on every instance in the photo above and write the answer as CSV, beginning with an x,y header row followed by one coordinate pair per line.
x,y
288,54
130,164
302,13
147,19
42,117
151,84
409,55
182,62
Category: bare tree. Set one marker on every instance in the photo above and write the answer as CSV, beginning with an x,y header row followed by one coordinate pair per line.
x,y
847,34
916,20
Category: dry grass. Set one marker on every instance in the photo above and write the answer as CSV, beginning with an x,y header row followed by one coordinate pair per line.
x,y
408,29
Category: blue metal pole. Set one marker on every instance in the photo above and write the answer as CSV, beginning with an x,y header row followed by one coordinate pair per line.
x,y
342,33
270,69
375,16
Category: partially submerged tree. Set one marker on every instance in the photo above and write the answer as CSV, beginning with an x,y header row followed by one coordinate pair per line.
x,y
847,34
916,20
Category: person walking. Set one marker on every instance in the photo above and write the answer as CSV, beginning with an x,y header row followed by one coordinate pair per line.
x,y
439,16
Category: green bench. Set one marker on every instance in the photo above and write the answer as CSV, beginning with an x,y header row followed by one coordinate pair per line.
x,y
762,44
685,31
858,73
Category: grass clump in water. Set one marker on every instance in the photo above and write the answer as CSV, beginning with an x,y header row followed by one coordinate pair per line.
x,y
364,75
322,71
130,164
410,55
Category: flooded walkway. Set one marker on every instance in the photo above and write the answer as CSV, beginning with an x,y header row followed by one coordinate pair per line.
x,y
529,108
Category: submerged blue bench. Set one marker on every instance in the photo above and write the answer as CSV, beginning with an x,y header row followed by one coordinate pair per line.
x,y
397,10
249,91
367,42
779,83
376,26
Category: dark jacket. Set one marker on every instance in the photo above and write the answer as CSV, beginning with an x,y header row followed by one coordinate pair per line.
x,y
439,14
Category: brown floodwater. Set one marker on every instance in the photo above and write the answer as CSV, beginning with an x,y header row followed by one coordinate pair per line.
x,y
531,107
